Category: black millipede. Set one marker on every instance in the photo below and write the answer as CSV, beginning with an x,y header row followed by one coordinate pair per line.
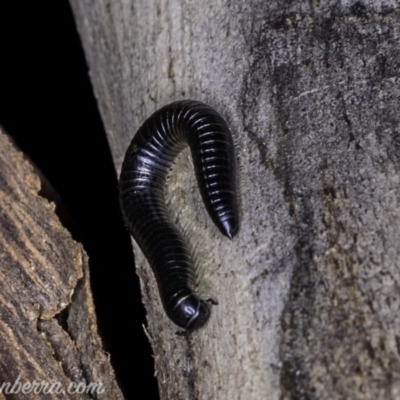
x,y
142,197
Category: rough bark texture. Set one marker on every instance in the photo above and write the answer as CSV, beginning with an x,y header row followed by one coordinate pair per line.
x,y
309,291
48,328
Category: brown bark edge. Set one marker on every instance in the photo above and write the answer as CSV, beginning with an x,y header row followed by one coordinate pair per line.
x,y
48,329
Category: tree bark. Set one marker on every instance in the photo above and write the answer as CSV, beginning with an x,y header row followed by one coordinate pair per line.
x,y
48,331
308,293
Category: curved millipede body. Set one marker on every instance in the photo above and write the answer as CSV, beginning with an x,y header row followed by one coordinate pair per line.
x,y
142,182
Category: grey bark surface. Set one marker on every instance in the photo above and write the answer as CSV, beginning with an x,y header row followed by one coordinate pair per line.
x,y
308,292
48,329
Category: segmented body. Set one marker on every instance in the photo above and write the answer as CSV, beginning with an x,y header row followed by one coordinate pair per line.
x,y
142,183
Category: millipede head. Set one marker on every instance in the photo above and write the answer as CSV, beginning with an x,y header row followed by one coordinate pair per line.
x,y
190,313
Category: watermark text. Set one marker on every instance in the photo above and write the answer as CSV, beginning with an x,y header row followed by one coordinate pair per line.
x,y
45,387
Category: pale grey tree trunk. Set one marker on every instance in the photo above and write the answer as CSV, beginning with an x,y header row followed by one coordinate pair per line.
x,y
308,292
